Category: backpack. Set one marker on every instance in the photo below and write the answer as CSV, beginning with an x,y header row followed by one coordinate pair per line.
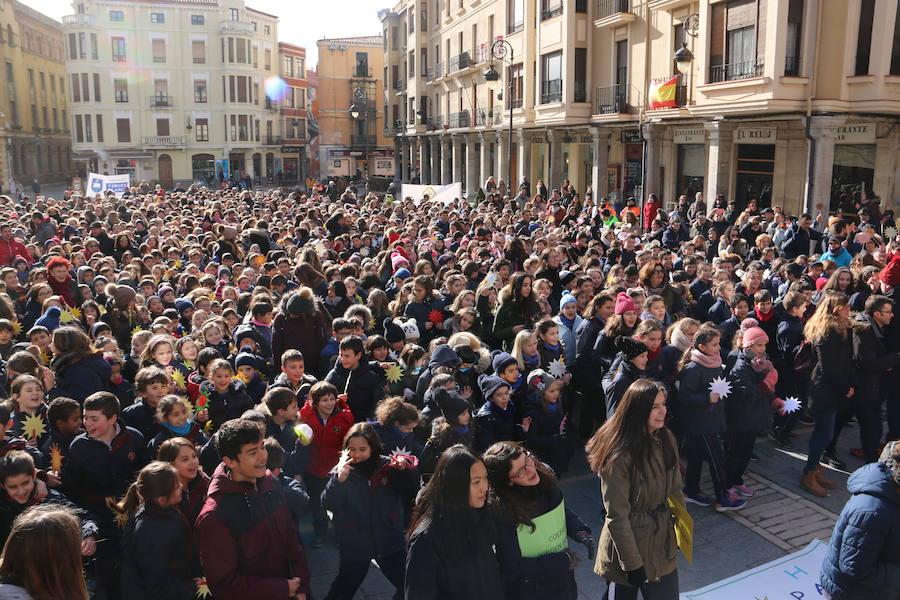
x,y
804,357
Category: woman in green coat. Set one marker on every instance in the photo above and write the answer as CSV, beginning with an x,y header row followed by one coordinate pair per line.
x,y
637,460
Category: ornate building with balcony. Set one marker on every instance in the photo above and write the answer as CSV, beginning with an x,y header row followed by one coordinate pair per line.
x,y
763,108
354,137
175,92
291,134
34,125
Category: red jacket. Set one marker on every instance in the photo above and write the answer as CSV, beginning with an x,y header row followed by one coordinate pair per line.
x,y
248,541
10,249
328,437
650,209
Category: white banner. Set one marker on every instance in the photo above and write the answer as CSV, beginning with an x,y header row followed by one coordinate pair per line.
x,y
439,193
792,576
99,184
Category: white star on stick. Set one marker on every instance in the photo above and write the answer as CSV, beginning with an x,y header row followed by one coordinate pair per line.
x,y
557,368
791,405
720,386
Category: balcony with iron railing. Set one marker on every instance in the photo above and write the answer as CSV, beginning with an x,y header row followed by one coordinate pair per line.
x,y
498,114
516,101
551,91
272,140
272,105
459,119
162,101
237,27
484,117
79,20
434,123
611,99
362,72
437,71
459,62
550,9
400,85
164,141
735,71
613,12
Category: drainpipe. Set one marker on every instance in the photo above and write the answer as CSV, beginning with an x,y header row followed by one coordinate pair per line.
x,y
811,159
643,114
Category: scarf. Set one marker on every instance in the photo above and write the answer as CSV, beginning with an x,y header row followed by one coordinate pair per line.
x,y
570,323
763,318
63,288
531,361
705,360
179,431
551,348
654,354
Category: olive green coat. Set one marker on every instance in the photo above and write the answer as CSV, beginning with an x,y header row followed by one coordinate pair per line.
x,y
639,529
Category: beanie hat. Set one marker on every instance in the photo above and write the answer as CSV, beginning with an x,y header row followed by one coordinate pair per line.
x,y
890,275
98,327
124,295
752,333
624,303
820,282
401,273
566,277
451,403
630,347
566,299
489,384
500,360
165,290
246,358
183,304
398,260
297,305
49,319
393,333
538,381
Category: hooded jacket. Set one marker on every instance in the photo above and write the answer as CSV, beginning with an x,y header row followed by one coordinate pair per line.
x,y
616,382
81,374
227,406
306,333
364,390
443,356
328,436
248,542
863,559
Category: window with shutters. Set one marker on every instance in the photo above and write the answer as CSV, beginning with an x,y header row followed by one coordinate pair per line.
x,y
737,35
97,87
118,49
243,128
121,89
794,38
76,88
85,88
73,47
99,127
202,127
117,16
79,129
267,65
242,50
123,131
159,51
895,49
864,36
198,48
88,133
157,17
94,53
198,20
200,91
162,127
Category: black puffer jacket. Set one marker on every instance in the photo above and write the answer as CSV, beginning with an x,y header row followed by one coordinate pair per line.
x,y
364,390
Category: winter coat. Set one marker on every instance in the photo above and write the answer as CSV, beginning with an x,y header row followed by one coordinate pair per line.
x,y
392,439
143,418
509,315
616,382
719,312
638,528
729,327
421,312
10,510
328,356
796,242
195,435
157,557
227,406
833,374
368,511
328,436
548,437
122,324
493,424
81,374
443,356
673,239
9,250
567,338
872,361
696,414
364,391
747,408
248,541
305,333
863,559
433,571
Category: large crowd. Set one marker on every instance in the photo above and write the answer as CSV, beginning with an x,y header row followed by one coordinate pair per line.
x,y
190,374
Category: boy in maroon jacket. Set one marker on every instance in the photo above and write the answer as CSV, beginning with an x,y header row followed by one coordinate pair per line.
x,y
247,539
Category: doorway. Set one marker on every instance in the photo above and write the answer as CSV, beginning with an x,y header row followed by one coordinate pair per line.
x,y
755,169
165,171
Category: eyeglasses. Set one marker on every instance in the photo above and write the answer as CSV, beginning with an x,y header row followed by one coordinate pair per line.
x,y
529,461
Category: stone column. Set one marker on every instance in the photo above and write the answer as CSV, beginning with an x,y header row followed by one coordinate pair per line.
x,y
824,131
435,160
502,150
652,135
472,172
487,168
457,143
524,158
718,161
398,157
600,154
446,160
424,161
556,163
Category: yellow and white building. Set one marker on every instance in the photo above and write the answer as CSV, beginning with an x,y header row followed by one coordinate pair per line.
x,y
792,102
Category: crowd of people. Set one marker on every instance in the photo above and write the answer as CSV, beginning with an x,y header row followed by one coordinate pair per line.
x,y
187,375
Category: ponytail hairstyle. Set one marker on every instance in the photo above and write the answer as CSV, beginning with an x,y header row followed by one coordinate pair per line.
x,y
706,334
156,480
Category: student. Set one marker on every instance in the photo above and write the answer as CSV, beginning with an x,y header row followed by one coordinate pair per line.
x,y
740,307
173,416
767,318
42,559
330,419
27,403
293,372
454,426
293,489
443,360
355,380
702,419
10,442
247,365
64,423
279,407
182,454
152,384
629,366
262,315
395,421
545,423
118,385
452,534
6,338
496,419
103,461
248,543
569,323
550,348
227,396
366,494
340,329
156,546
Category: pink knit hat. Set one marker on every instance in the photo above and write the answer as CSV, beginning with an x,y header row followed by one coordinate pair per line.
x,y
752,333
624,303
398,260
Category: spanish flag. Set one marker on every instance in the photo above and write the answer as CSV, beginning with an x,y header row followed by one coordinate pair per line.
x,y
662,93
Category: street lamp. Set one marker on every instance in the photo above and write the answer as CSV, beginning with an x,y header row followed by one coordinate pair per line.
x,y
359,110
683,56
502,50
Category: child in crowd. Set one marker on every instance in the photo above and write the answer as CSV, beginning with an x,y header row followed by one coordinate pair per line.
x,y
226,397
152,384
293,371
545,424
29,412
173,415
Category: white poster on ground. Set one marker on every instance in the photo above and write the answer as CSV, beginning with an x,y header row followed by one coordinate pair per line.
x,y
795,576
100,184
440,193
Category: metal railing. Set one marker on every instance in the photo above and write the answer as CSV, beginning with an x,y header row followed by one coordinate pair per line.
x,y
400,85
606,8
459,62
483,117
79,19
164,140
273,140
459,119
552,10
237,27
551,91
362,71
271,105
735,71
438,70
611,99
498,114
434,123
162,101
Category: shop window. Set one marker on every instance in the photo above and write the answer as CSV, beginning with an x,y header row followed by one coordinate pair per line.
x,y
853,173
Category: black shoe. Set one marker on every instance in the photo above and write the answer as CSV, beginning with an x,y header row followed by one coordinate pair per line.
x,y
833,461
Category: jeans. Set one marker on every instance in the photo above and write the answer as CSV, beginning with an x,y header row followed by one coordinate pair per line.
x,y
821,435
739,447
664,589
699,448
316,485
869,419
352,572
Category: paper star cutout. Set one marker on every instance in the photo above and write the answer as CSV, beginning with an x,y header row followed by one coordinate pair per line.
x,y
890,233
791,405
394,373
720,386
121,519
136,330
345,458
56,458
364,251
45,357
202,401
34,427
102,310
319,247
557,367
17,327
178,378
66,316
76,312
436,316
398,453
203,590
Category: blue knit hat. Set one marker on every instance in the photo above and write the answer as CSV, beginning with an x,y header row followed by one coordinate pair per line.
x,y
50,319
567,298
500,360
489,384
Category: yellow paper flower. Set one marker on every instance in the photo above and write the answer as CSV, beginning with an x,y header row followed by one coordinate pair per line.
x,y
394,373
17,328
136,330
203,589
178,378
76,312
56,458
34,427
66,316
